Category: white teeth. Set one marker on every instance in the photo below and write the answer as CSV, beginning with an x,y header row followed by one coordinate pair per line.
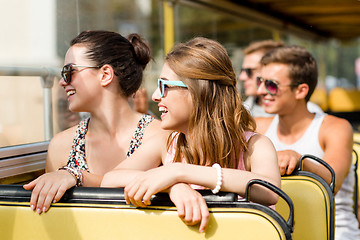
x,y
266,101
162,109
71,92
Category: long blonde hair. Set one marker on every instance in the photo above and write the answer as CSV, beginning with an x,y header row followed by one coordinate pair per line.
x,y
219,120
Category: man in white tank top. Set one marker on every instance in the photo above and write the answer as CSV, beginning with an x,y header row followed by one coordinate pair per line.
x,y
288,78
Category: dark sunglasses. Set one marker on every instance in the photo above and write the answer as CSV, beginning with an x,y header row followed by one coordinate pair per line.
x,y
248,71
68,69
271,86
162,84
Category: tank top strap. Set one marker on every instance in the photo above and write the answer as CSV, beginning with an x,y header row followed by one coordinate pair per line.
x,y
77,156
249,134
308,142
271,132
136,139
241,164
318,120
172,149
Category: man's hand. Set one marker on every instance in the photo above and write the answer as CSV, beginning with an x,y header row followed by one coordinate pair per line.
x,y
288,161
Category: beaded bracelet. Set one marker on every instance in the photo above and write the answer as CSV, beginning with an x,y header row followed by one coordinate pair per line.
x,y
219,178
75,172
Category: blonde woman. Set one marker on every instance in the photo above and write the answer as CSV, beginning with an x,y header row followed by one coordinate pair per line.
x,y
213,144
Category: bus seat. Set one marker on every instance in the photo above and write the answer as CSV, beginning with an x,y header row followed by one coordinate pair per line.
x,y
356,154
357,137
320,97
344,100
101,213
313,200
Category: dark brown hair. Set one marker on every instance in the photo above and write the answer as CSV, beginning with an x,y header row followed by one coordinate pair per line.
x,y
302,65
128,57
262,46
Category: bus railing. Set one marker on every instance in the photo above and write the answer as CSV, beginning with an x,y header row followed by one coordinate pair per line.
x,y
47,76
22,163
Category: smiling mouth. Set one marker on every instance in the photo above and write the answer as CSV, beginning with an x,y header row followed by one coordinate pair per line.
x,y
70,92
265,101
163,109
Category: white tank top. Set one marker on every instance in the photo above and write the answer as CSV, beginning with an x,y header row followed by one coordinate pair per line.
x,y
346,224
308,143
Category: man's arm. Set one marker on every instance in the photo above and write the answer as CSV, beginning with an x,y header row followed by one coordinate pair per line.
x,y
336,138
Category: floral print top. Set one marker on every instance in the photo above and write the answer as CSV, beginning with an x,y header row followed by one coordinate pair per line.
x,y
77,156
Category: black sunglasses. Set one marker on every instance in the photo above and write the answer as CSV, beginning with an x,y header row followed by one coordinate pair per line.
x,y
271,86
68,69
248,71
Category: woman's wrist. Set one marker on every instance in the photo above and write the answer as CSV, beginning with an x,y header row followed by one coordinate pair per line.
x,y
76,173
179,172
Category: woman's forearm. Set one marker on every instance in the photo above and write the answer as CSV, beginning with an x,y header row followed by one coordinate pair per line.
x,y
233,180
91,180
119,177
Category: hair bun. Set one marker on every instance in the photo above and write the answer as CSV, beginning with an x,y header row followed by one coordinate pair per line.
x,y
141,48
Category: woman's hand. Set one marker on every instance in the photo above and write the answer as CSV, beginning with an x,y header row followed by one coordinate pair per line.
x,y
191,206
145,184
49,188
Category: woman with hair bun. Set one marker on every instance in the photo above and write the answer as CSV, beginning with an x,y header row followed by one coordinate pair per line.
x,y
102,69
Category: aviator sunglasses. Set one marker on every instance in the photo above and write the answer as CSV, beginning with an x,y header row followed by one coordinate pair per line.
x,y
248,71
271,86
69,68
162,84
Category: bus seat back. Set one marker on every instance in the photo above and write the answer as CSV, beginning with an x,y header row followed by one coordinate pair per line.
x,y
313,206
99,219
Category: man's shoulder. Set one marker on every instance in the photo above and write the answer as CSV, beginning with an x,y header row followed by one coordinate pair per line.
x,y
332,120
333,124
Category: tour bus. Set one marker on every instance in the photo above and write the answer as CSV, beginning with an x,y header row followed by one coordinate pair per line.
x,y
35,37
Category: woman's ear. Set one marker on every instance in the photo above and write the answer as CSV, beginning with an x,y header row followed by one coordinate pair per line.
x,y
302,91
107,75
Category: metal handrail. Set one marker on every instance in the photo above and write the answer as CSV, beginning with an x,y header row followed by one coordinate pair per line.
x,y
22,159
47,76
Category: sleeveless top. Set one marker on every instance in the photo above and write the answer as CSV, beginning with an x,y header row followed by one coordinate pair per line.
x,y
308,143
345,220
172,149
77,156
